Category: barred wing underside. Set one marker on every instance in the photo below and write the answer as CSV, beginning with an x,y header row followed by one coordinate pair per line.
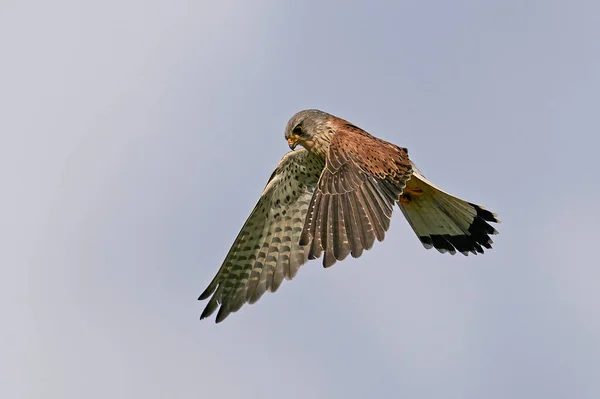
x,y
267,249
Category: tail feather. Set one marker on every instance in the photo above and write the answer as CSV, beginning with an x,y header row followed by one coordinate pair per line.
x,y
443,221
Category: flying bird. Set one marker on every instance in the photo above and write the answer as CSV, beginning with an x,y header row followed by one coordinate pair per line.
x,y
333,198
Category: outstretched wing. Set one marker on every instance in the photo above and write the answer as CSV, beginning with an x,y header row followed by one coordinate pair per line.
x,y
352,205
267,248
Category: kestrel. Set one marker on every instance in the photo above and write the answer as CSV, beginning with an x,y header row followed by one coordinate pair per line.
x,y
334,198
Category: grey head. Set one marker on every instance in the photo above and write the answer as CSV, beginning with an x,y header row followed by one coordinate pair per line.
x,y
310,128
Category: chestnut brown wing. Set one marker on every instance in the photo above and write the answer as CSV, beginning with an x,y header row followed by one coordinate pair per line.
x,y
352,205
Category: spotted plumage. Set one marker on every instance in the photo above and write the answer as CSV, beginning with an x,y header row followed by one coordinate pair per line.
x,y
334,198
267,248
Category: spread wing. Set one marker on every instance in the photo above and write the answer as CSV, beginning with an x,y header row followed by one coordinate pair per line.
x,y
352,205
267,248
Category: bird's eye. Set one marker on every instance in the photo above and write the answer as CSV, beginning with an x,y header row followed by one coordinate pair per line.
x,y
298,130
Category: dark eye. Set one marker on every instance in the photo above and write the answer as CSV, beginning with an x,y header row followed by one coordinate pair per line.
x,y
298,130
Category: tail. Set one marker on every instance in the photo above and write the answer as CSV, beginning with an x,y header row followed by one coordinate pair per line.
x,y
443,221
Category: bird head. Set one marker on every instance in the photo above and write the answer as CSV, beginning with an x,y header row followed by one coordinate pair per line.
x,y
309,128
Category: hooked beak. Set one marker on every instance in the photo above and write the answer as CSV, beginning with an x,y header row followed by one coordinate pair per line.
x,y
293,142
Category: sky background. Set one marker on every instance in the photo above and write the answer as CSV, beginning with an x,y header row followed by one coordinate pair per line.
x,y
136,137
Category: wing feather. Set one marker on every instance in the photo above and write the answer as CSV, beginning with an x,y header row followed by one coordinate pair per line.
x,y
365,231
351,228
352,205
267,249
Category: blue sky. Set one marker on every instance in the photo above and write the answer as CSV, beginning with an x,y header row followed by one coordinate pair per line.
x,y
137,136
